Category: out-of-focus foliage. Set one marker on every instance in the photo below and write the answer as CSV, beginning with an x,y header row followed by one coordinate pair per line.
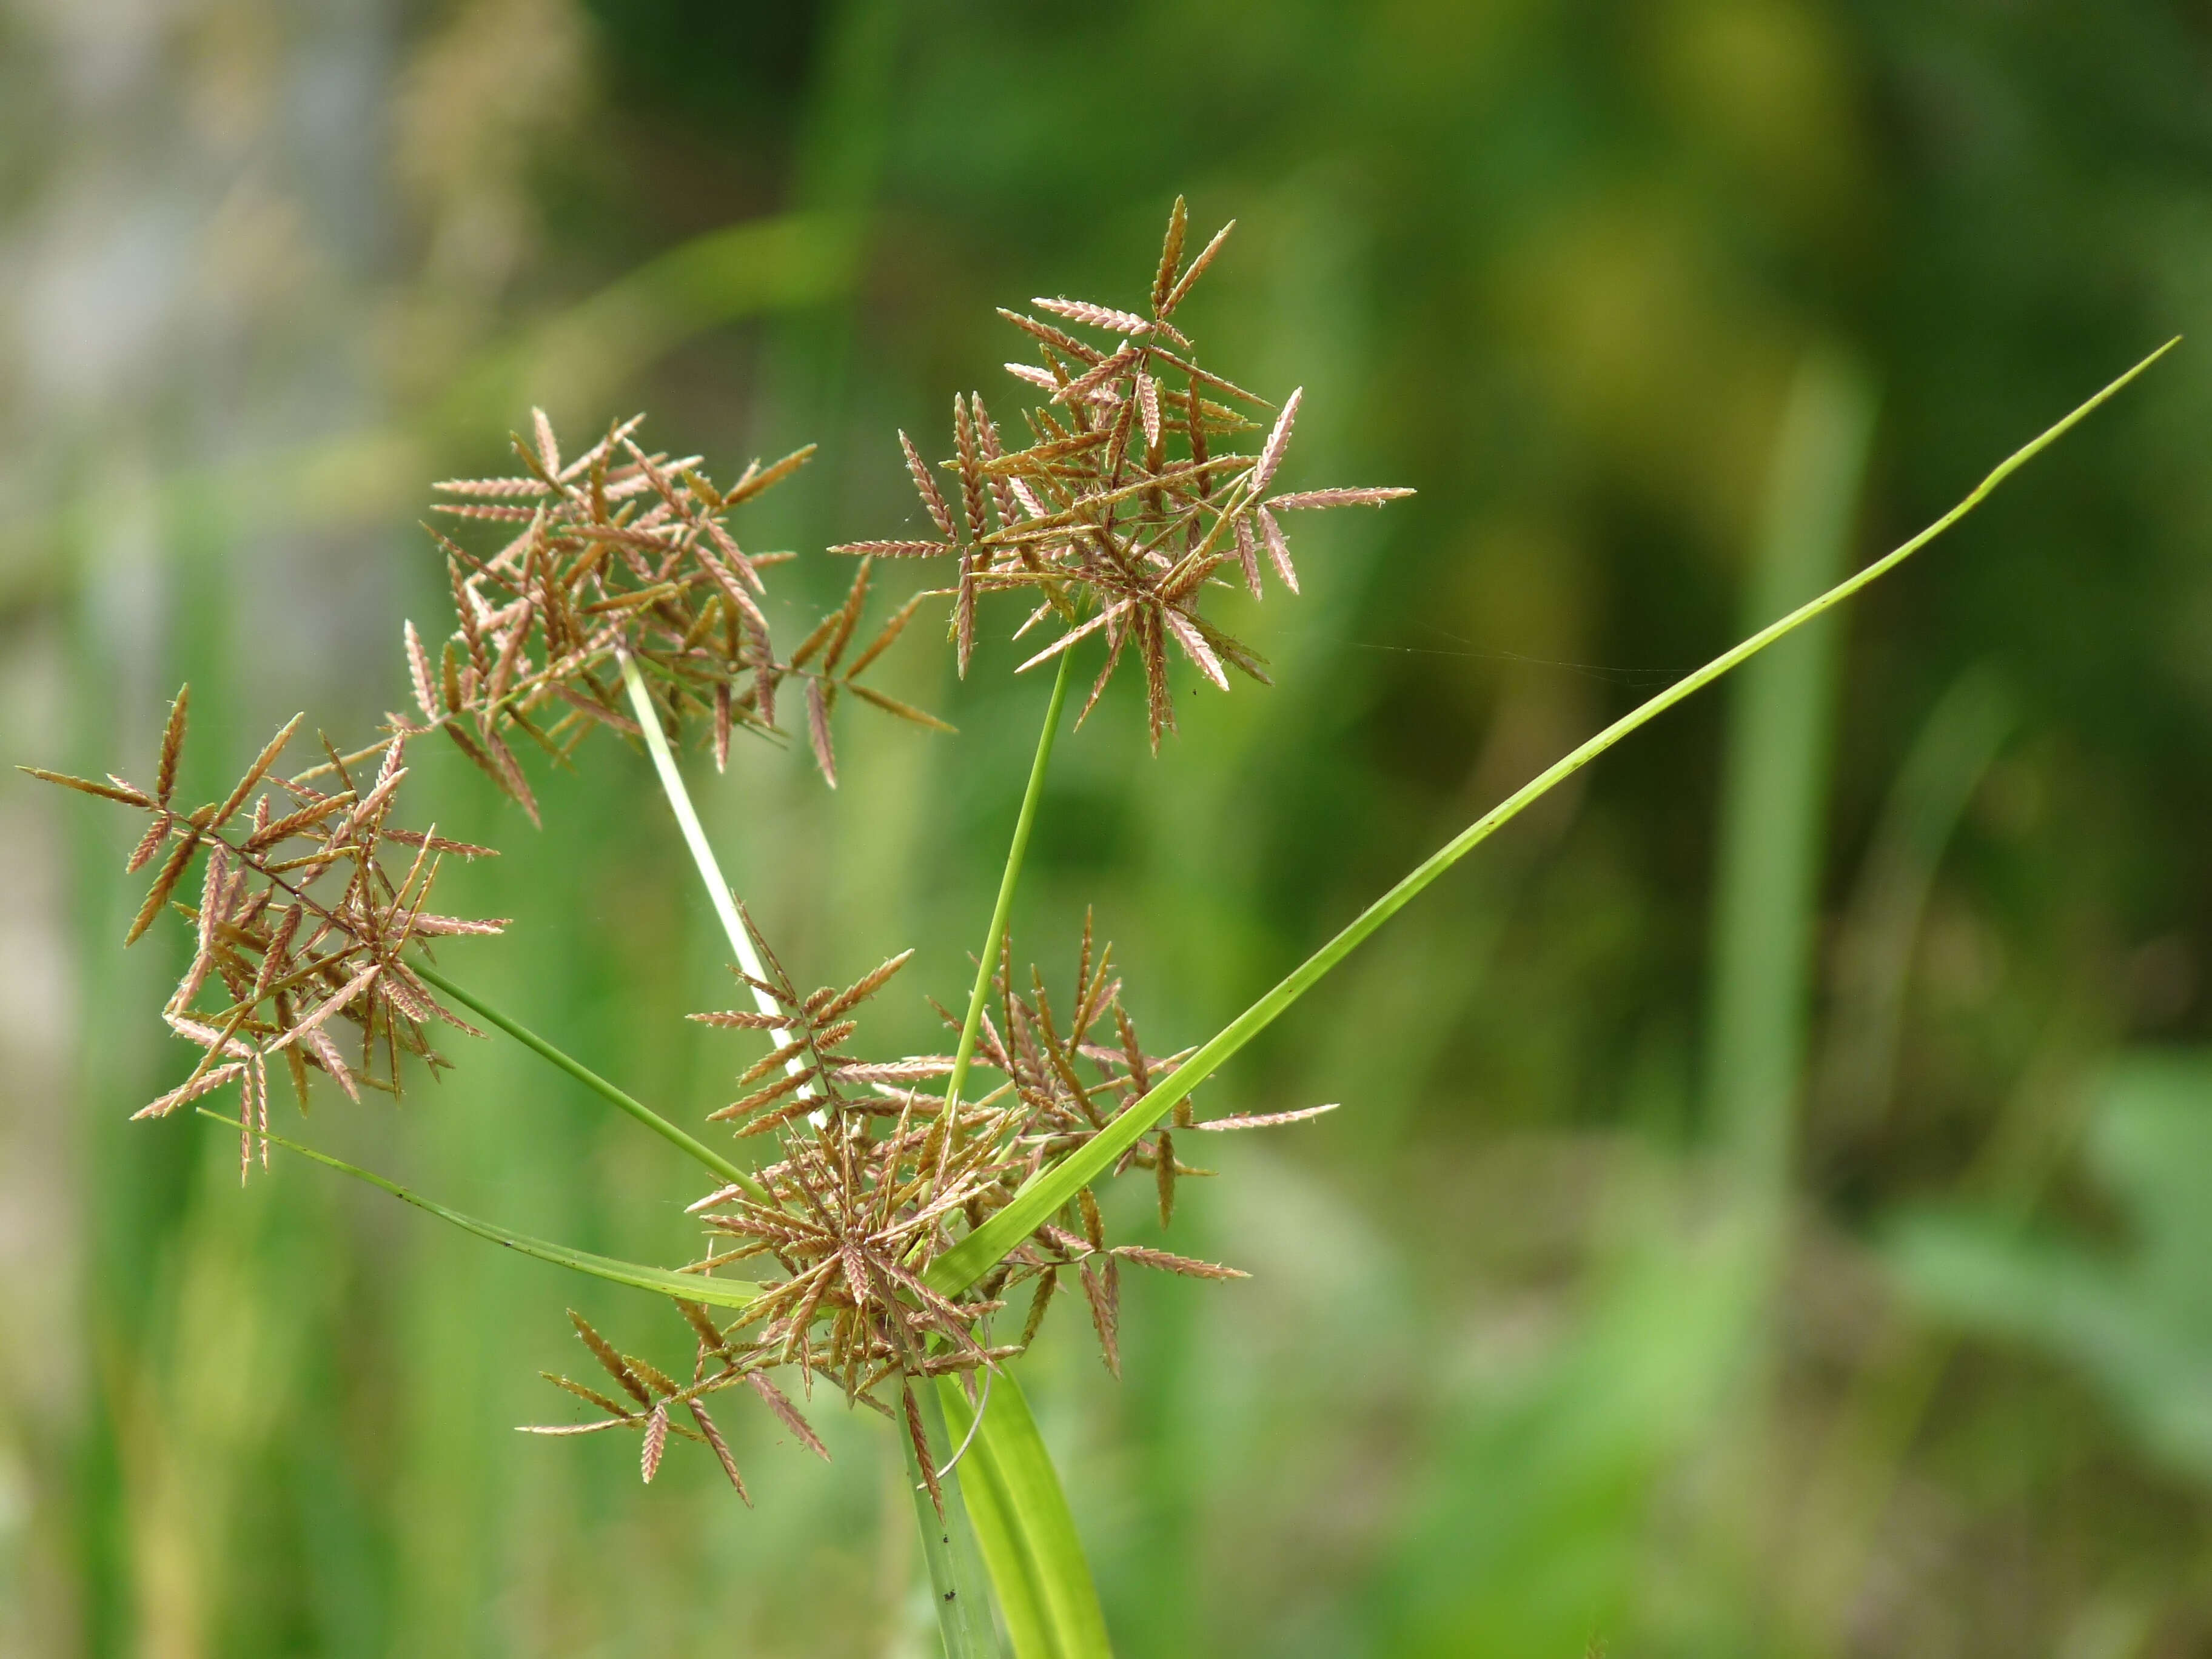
x,y
266,270
2137,1318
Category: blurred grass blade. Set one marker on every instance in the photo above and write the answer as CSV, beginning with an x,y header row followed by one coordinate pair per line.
x,y
1042,1196
1774,792
578,359
694,1287
1029,1538
1961,739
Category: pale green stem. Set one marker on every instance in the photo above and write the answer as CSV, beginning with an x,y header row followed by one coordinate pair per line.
x,y
592,1080
1002,911
695,837
1045,1192
956,1571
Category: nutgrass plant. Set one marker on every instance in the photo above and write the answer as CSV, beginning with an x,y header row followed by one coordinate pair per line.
x,y
908,1222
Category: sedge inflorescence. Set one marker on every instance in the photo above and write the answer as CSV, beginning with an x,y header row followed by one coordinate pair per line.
x,y
1124,507
621,591
301,927
875,1176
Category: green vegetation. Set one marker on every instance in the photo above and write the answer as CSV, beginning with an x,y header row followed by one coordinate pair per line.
x,y
1750,1222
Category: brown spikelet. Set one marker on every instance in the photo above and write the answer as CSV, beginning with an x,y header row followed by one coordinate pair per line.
x,y
1170,255
172,746
963,626
256,772
1163,1170
1362,497
148,844
1278,550
1159,700
972,498
818,731
788,1413
116,790
1184,1265
768,476
418,671
165,882
1094,1226
866,987
507,772
925,486
700,1320
1093,316
654,1378
1264,1119
656,1443
885,637
1099,378
603,1351
1047,1284
1056,339
1248,556
895,550
191,1090
712,1436
613,1409
1103,1290
549,450
921,1443
1278,442
1177,294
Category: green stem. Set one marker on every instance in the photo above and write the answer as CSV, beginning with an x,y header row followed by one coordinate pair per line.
x,y
1009,879
957,1586
1044,1193
592,1080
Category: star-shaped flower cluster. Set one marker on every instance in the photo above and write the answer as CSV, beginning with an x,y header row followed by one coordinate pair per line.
x,y
622,552
300,929
876,1177
1123,508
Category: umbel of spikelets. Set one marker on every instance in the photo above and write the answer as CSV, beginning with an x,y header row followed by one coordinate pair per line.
x,y
1123,508
874,1177
622,552
309,900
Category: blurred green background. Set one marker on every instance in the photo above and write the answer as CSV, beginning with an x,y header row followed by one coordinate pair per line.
x,y
1767,1211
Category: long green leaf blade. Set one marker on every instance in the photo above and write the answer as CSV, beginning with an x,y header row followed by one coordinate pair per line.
x,y
692,1287
1022,1520
1043,1195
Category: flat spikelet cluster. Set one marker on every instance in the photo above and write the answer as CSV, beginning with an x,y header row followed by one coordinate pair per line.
x,y
1124,506
874,1177
300,926
620,552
